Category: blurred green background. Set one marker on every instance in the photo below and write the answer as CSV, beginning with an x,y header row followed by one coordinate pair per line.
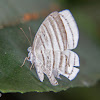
x,y
87,15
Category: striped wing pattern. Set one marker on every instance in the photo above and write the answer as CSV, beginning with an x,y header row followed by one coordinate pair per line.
x,y
57,35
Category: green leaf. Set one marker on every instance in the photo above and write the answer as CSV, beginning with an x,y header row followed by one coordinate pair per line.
x,y
13,50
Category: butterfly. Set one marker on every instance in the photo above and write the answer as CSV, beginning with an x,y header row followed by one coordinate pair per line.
x,y
51,50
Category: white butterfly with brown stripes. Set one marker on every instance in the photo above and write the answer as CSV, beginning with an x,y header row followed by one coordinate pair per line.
x,y
51,50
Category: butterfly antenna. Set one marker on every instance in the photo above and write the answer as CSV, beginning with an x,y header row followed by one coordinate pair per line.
x,y
25,36
30,34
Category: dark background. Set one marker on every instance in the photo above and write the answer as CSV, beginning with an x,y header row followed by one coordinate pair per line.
x,y
82,93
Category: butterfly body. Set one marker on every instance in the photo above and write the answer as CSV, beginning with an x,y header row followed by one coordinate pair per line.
x,y
51,50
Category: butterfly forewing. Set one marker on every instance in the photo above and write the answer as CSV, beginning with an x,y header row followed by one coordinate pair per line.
x,y
56,35
71,28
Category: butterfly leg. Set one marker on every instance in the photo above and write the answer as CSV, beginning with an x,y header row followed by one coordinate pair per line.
x,y
27,58
32,66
